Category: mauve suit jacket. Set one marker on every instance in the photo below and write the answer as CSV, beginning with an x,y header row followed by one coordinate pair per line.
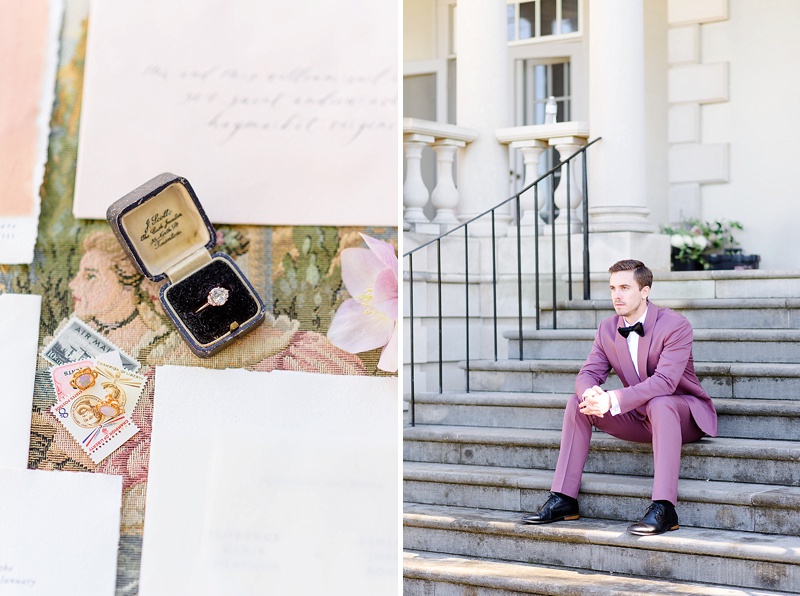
x,y
665,363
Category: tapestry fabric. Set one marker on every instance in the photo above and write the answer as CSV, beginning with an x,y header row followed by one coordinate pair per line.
x,y
81,270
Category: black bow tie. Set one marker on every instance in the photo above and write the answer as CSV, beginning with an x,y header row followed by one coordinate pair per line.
x,y
636,328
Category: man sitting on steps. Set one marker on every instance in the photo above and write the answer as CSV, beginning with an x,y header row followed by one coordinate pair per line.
x,y
662,402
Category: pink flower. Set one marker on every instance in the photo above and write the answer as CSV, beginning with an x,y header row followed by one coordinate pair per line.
x,y
368,320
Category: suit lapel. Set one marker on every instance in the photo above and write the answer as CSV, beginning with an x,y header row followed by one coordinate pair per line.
x,y
644,342
628,372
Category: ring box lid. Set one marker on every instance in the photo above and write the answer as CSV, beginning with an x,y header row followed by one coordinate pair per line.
x,y
163,228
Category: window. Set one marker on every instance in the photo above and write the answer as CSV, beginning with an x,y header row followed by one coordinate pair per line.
x,y
535,81
540,80
533,19
419,96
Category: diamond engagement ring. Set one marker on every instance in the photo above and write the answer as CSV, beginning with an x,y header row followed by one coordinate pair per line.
x,y
216,297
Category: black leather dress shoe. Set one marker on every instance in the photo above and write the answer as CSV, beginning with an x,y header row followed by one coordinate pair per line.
x,y
658,518
556,508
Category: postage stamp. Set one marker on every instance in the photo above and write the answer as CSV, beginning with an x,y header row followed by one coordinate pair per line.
x,y
100,426
119,386
72,377
95,403
78,341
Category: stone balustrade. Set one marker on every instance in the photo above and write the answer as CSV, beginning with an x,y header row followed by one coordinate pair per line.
x,y
445,140
532,141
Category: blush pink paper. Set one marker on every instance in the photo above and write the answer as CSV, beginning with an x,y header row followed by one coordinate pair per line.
x,y
29,43
23,43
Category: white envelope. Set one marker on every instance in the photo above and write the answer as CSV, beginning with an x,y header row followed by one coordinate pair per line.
x,y
278,113
19,339
59,533
272,483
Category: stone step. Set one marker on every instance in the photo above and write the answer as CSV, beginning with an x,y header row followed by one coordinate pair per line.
x,y
710,345
718,313
728,460
722,557
762,508
427,573
742,418
680,285
719,379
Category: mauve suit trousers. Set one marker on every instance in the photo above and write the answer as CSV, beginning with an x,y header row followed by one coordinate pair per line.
x,y
664,404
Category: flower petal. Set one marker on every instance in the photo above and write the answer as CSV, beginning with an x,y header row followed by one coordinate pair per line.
x,y
677,241
385,294
354,330
360,267
383,250
388,361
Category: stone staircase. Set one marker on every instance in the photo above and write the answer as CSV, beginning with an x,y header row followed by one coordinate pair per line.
x,y
475,463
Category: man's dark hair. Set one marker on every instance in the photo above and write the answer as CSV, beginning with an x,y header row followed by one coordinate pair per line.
x,y
642,275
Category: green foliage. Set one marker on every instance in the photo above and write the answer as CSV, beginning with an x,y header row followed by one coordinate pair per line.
x,y
231,241
695,239
310,287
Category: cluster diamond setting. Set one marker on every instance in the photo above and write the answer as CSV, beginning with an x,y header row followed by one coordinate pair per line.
x,y
218,296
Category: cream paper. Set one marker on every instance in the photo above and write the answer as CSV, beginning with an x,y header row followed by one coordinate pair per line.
x,y
272,483
59,533
19,339
278,113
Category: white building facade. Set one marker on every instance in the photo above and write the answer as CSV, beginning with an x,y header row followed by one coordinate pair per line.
x,y
695,102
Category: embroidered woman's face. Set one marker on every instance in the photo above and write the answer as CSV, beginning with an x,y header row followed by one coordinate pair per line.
x,y
98,292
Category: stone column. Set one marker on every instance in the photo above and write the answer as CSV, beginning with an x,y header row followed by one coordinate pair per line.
x,y
617,199
482,104
415,193
618,202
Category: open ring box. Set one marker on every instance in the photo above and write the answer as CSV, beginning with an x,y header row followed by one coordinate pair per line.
x,y
166,233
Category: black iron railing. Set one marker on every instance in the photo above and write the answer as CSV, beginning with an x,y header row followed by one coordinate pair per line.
x,y
534,186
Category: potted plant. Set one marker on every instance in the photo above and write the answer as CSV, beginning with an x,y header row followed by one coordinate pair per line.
x,y
732,258
698,245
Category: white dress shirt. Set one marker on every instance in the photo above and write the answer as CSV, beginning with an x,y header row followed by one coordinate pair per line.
x,y
633,348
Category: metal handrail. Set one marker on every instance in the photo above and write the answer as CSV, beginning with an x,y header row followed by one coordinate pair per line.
x,y
465,226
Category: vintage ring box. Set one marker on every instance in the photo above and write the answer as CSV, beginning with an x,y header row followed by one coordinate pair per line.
x,y
166,233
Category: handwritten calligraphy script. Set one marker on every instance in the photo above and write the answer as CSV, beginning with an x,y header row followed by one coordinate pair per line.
x,y
279,113
8,577
233,101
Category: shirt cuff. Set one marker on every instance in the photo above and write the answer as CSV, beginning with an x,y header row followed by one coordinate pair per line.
x,y
614,403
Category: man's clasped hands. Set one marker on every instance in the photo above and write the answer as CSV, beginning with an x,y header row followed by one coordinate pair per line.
x,y
596,402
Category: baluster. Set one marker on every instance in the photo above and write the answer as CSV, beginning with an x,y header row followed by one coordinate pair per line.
x,y
587,292
531,153
519,274
466,294
494,284
566,146
445,196
415,193
439,288
411,328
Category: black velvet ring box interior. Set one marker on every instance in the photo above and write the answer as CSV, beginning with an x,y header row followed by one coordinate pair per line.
x,y
166,233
